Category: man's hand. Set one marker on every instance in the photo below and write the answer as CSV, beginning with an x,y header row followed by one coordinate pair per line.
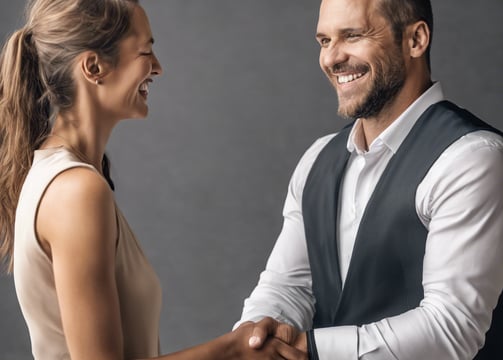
x,y
269,327
301,342
268,338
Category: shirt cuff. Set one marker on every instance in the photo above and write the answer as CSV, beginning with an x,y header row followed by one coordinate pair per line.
x,y
339,342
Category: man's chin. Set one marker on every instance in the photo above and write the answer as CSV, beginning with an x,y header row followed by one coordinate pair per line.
x,y
347,112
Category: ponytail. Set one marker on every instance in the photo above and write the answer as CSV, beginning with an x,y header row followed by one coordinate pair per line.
x,y
24,122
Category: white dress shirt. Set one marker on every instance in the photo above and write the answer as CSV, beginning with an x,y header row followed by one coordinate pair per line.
x,y
460,202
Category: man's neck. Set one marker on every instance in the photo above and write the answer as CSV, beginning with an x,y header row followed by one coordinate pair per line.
x,y
374,126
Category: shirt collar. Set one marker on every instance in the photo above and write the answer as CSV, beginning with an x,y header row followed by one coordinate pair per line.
x,y
393,136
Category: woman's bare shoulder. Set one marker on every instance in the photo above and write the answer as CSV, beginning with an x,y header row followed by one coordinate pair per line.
x,y
77,203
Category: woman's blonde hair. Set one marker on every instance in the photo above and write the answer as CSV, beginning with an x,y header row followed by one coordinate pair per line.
x,y
36,81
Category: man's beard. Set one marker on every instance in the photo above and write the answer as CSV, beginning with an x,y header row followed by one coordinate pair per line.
x,y
389,80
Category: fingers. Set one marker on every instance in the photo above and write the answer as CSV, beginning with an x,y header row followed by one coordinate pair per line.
x,y
301,342
286,333
286,351
261,331
267,340
270,327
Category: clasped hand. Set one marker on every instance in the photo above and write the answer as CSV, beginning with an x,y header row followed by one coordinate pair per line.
x,y
269,339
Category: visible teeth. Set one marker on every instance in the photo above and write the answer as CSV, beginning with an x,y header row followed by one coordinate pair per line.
x,y
343,79
144,87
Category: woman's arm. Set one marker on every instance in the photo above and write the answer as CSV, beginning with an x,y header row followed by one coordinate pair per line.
x,y
77,226
235,345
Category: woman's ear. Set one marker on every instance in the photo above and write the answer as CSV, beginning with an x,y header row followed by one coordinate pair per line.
x,y
93,69
418,38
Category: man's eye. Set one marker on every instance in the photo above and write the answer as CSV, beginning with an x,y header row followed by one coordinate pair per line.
x,y
353,36
324,41
147,53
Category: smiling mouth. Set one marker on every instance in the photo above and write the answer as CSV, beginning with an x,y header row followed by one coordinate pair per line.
x,y
344,79
144,88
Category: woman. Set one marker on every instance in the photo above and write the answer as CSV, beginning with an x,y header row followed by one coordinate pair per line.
x,y
86,290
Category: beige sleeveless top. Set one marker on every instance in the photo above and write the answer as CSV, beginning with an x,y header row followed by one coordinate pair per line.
x,y
137,284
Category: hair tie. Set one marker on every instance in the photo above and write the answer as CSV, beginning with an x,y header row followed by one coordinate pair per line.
x,y
27,35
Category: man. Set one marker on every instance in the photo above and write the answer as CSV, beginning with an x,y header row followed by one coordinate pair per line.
x,y
392,241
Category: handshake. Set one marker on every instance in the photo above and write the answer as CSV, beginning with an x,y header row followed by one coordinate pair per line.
x,y
269,339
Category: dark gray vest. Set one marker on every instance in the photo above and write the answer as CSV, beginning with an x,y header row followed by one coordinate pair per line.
x,y
385,273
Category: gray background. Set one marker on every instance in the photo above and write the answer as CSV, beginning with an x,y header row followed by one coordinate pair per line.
x,y
203,179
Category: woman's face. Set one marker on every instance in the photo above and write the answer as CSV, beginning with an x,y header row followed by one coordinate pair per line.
x,y
126,86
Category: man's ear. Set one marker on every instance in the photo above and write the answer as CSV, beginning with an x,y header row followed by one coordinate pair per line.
x,y
418,38
93,68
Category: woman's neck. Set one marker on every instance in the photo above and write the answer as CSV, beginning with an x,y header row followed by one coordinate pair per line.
x,y
83,135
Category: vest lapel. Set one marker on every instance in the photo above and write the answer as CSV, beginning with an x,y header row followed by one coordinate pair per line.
x,y
325,183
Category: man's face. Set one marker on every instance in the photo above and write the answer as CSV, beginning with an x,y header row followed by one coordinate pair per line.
x,y
360,56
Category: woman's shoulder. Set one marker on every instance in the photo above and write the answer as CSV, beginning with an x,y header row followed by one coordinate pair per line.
x,y
56,171
79,183
77,189
77,200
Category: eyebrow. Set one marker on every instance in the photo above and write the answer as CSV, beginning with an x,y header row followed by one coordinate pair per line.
x,y
352,30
